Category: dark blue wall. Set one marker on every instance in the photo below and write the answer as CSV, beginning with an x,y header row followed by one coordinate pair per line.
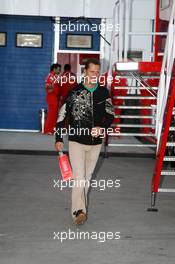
x,y
69,24
23,72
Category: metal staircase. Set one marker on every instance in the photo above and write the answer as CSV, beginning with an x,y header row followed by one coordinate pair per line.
x,y
135,105
148,98
135,102
165,157
165,129
138,109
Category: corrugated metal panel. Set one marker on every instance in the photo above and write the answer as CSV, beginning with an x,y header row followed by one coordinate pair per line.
x,y
23,71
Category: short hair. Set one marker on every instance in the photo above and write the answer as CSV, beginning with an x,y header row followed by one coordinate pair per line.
x,y
55,66
67,67
93,61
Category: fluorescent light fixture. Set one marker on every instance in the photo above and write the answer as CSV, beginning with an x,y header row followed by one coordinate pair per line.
x,y
127,66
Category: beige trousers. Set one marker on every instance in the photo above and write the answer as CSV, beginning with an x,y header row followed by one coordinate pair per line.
x,y
83,160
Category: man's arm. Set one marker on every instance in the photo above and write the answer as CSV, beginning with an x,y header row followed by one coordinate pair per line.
x,y
107,119
49,88
109,112
60,127
49,83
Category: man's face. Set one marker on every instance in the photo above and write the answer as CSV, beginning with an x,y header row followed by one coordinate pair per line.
x,y
57,70
92,73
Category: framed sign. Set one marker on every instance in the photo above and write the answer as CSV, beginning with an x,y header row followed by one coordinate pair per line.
x,y
164,4
29,40
79,41
3,39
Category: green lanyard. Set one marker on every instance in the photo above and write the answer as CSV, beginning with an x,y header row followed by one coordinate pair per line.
x,y
91,89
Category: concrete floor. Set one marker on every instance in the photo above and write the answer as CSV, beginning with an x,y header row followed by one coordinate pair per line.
x,y
36,142
32,210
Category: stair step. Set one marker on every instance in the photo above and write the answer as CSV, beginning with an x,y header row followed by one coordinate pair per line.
x,y
137,134
143,76
133,125
132,145
170,144
166,158
168,173
133,107
134,97
167,190
134,116
134,87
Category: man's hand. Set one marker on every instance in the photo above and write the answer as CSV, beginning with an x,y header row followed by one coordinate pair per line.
x,y
59,146
97,131
49,88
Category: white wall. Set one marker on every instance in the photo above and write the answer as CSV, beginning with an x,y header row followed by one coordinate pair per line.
x,y
142,14
20,7
66,8
88,8
99,8
165,13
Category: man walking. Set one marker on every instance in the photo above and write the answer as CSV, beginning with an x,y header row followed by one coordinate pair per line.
x,y
88,111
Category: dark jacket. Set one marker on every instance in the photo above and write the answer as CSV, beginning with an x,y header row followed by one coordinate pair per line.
x,y
82,111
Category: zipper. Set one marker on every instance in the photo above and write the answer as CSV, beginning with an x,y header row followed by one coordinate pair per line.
x,y
92,113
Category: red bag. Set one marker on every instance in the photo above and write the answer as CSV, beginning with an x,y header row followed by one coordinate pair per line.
x,y
65,167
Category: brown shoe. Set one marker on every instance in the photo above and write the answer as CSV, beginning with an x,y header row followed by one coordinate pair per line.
x,y
80,217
